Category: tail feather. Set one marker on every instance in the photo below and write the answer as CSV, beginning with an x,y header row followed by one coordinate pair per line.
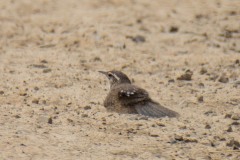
x,y
153,109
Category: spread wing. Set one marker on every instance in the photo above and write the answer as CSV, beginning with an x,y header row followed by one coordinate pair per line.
x,y
153,109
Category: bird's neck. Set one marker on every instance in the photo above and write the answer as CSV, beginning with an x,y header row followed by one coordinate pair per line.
x,y
119,83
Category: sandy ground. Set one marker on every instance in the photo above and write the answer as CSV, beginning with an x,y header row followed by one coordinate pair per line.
x,y
51,94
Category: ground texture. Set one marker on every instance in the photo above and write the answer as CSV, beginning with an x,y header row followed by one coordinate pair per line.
x,y
185,53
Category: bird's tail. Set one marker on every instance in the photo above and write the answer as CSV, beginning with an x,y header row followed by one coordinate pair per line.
x,y
153,109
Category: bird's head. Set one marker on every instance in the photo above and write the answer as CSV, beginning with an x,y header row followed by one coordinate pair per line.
x,y
116,77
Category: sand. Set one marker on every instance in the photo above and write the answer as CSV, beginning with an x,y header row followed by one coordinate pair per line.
x,y
185,53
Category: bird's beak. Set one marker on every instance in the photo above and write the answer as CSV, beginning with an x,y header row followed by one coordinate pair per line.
x,y
105,73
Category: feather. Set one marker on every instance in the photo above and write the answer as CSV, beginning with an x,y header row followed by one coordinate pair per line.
x,y
153,109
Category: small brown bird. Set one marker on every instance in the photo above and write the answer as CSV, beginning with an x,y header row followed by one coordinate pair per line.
x,y
125,97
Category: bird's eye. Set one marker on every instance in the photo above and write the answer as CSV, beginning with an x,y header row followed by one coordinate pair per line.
x,y
110,75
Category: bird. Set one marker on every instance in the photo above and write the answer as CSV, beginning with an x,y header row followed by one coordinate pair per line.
x,y
126,98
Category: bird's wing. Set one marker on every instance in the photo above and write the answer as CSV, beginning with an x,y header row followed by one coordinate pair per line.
x,y
132,94
153,109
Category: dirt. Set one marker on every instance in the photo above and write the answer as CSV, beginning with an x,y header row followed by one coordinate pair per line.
x,y
51,94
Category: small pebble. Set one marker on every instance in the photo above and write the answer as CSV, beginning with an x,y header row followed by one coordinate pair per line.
x,y
208,126
235,123
160,124
223,79
210,113
235,117
154,135
36,88
17,116
203,70
44,61
228,115
187,76
178,138
213,77
171,81
229,129
36,101
234,144
87,107
97,59
84,115
50,121
138,39
22,93
173,29
47,70
70,120
190,140
200,99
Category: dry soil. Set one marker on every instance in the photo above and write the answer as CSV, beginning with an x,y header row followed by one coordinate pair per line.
x,y
185,53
